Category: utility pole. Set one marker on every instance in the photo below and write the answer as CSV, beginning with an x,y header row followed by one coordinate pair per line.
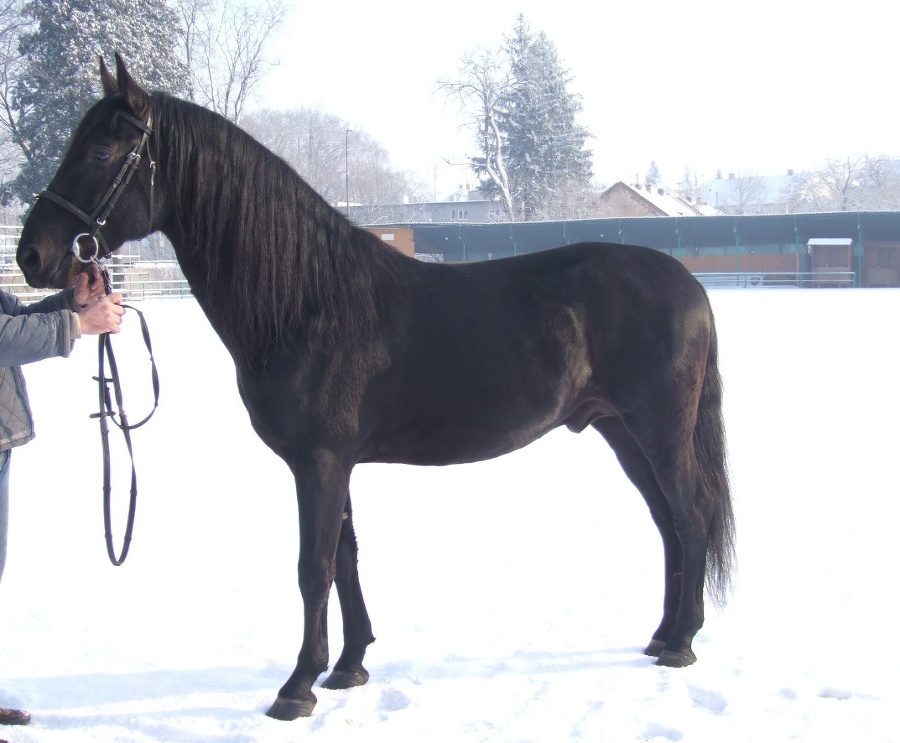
x,y
347,169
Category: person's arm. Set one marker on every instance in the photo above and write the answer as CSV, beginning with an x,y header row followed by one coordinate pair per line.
x,y
64,300
51,326
34,336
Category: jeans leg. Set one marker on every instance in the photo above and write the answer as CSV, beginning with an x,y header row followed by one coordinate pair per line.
x,y
4,506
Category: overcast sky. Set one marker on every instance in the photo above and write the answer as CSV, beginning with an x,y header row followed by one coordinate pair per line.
x,y
752,87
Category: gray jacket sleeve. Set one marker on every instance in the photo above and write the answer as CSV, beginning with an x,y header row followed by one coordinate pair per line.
x,y
37,331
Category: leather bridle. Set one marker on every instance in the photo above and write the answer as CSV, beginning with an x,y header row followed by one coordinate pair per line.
x,y
97,219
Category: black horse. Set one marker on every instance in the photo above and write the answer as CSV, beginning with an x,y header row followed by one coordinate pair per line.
x,y
347,351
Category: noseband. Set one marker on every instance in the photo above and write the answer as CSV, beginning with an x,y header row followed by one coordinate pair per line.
x,y
98,219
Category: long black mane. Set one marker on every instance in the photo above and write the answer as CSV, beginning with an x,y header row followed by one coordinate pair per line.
x,y
267,242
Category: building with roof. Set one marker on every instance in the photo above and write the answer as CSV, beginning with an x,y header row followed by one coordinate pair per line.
x,y
464,205
626,200
470,206
853,248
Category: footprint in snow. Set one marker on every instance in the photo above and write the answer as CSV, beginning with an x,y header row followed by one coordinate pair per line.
x,y
709,700
832,692
655,730
393,700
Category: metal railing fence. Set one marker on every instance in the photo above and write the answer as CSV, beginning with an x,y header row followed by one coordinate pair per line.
x,y
134,283
773,280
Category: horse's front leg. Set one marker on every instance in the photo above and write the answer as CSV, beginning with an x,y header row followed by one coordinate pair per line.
x,y
349,671
322,482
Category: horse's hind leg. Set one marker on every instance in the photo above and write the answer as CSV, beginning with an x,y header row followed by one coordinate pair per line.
x,y
637,468
680,503
349,671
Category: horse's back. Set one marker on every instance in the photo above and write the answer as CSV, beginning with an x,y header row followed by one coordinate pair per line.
x,y
625,273
621,297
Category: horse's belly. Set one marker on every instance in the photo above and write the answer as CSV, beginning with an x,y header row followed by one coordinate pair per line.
x,y
459,439
438,449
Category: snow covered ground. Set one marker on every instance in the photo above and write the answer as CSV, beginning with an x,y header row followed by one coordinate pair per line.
x,y
511,598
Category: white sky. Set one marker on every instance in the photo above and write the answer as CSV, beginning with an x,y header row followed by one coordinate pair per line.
x,y
758,87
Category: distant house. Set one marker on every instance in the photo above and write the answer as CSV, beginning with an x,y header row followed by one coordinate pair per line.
x,y
470,206
752,194
624,200
462,206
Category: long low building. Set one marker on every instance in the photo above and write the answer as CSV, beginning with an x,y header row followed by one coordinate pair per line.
x,y
855,248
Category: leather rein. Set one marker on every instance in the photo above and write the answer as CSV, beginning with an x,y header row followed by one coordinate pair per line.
x,y
95,222
107,412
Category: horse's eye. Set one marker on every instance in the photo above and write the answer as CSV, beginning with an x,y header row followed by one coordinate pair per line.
x,y
102,155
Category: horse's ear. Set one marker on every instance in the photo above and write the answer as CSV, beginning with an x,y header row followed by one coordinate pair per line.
x,y
110,87
135,96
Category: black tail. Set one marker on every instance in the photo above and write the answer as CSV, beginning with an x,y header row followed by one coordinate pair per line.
x,y
709,445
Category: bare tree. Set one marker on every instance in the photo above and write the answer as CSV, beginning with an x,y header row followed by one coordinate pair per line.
x,y
224,46
572,201
836,186
688,183
485,81
748,193
741,193
335,159
193,18
312,142
881,187
852,182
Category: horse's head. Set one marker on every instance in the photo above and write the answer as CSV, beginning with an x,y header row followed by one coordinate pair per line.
x,y
93,204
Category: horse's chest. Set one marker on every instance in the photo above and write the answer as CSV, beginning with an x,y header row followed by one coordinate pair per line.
x,y
291,400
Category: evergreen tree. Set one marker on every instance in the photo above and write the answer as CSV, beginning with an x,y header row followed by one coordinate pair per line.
x,y
652,176
60,77
544,147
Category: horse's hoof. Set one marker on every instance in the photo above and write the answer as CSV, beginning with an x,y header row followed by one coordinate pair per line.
x,y
655,648
346,679
671,659
291,709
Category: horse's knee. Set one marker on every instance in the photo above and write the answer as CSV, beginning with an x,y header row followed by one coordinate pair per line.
x,y
315,578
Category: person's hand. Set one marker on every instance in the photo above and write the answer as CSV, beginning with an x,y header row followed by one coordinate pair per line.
x,y
88,286
103,315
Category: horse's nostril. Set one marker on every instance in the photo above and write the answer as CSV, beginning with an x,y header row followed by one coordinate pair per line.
x,y
29,261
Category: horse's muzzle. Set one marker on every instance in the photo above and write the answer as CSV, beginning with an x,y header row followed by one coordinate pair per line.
x,y
42,274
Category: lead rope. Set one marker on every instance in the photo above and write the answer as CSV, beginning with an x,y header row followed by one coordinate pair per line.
x,y
105,351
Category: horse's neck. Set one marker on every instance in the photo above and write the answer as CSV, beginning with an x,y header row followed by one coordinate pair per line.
x,y
304,279
230,308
